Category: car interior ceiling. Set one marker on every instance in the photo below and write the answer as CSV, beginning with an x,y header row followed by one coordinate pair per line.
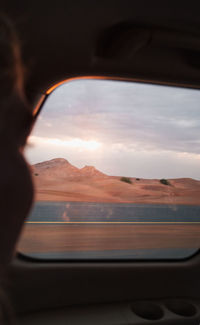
x,y
150,41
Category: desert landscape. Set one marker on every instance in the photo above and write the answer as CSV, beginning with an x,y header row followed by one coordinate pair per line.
x,y
58,180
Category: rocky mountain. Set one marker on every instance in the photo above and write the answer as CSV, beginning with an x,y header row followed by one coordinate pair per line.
x,y
91,171
60,167
51,163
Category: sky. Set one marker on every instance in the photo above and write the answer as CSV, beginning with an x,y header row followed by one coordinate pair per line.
x,y
121,128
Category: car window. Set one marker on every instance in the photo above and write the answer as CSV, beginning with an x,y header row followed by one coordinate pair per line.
x,y
115,166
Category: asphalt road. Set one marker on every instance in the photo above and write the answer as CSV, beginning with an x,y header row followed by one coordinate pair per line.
x,y
115,213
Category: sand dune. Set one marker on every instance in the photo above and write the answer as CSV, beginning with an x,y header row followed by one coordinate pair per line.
x,y
58,180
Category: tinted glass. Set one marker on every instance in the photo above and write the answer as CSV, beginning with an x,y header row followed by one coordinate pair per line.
x,y
116,172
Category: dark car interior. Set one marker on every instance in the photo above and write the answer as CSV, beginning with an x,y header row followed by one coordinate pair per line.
x,y
152,42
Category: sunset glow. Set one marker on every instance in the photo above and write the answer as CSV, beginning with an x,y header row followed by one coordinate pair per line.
x,y
71,143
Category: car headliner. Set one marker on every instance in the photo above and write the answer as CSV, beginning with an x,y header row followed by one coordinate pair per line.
x,y
148,40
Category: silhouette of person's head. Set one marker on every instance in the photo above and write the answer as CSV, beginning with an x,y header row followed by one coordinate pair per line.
x,y
16,191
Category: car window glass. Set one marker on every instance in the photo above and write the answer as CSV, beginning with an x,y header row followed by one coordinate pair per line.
x,y
116,171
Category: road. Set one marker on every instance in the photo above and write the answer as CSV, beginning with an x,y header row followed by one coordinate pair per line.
x,y
73,230
91,212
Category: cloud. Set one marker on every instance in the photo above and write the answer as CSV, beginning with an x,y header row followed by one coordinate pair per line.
x,y
123,117
74,143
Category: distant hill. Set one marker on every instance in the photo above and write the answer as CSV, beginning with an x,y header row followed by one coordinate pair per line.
x,y
61,167
58,180
91,171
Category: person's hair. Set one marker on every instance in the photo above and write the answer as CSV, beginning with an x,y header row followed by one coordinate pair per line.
x,y
11,67
15,123
15,113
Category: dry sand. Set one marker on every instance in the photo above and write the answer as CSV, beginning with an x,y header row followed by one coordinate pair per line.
x,y
181,191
